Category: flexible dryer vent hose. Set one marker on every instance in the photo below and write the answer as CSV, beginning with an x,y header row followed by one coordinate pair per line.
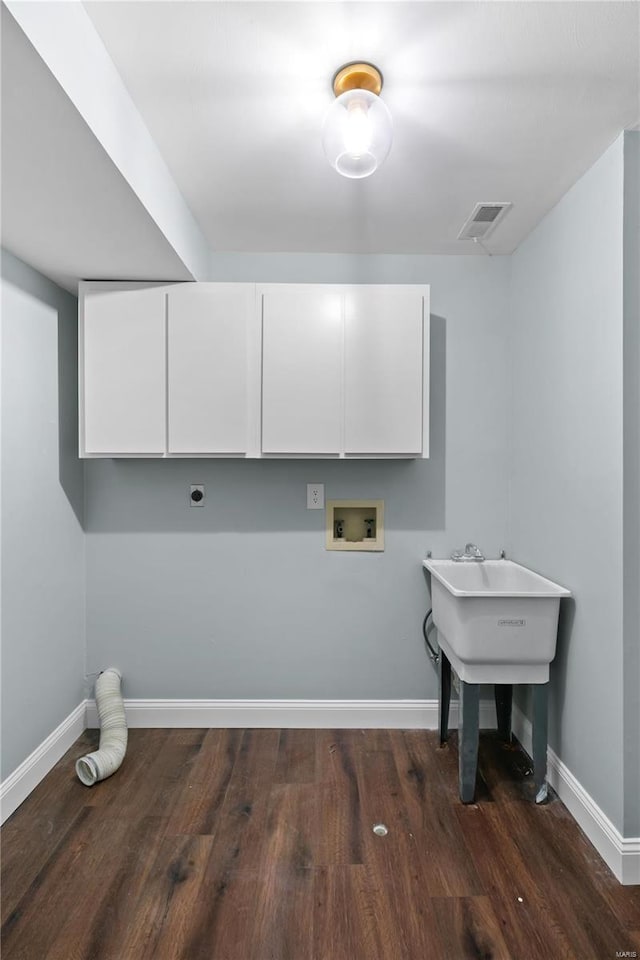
x,y
113,731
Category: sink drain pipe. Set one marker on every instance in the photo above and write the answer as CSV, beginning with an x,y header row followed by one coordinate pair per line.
x,y
113,731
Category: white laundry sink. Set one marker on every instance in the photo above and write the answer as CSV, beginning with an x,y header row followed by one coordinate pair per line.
x,y
497,621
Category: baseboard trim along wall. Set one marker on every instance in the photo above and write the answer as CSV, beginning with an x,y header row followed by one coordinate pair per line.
x,y
37,765
622,854
319,714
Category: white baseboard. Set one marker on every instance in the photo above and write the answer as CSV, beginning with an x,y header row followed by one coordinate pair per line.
x,y
621,854
31,771
318,714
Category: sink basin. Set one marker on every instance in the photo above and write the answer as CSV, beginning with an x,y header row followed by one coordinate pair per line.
x,y
497,621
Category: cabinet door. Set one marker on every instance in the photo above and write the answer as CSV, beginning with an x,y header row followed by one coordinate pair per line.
x,y
207,367
302,353
383,371
124,372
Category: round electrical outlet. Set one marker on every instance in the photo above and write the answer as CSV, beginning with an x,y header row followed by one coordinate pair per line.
x,y
197,496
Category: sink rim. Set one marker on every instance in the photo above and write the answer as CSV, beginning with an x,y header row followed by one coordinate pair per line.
x,y
542,587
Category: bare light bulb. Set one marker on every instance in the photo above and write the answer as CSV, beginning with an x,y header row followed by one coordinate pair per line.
x,y
357,133
357,128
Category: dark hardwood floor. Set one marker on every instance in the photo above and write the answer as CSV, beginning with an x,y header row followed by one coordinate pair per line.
x,y
258,845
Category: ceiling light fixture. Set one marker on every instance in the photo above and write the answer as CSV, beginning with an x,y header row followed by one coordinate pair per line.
x,y
358,129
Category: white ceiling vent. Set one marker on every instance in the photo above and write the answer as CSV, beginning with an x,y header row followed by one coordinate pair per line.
x,y
483,220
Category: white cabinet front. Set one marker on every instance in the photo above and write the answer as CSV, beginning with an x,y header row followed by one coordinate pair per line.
x,y
123,366
235,369
207,368
383,371
302,349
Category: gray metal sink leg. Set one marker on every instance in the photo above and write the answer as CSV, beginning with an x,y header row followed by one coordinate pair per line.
x,y
539,733
468,728
445,696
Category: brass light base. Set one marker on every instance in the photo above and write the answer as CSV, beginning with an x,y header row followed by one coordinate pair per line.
x,y
357,76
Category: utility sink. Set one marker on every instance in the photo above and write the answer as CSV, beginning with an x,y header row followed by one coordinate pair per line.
x,y
497,621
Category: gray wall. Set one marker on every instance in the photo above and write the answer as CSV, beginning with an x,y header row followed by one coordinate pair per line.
x,y
566,502
631,420
240,599
43,637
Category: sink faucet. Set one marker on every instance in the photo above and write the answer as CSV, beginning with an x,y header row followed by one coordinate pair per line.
x,y
471,553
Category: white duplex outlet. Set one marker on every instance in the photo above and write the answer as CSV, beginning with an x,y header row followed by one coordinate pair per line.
x,y
315,496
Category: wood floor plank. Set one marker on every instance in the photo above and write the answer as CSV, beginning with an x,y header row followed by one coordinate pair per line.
x,y
296,757
292,826
205,785
407,921
224,910
221,915
283,927
447,864
28,843
345,915
470,929
241,824
231,899
591,926
92,849
175,888
517,897
208,745
104,929
373,739
339,808
624,901
336,752
30,836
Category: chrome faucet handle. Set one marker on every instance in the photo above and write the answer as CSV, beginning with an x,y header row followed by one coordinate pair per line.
x,y
473,552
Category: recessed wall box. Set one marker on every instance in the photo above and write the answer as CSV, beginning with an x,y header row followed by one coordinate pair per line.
x,y
355,525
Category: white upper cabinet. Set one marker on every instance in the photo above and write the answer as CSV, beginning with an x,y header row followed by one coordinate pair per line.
x,y
208,327
122,366
384,354
246,370
302,347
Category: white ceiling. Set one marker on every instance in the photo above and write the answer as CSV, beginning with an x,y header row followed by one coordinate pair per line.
x,y
491,101
65,208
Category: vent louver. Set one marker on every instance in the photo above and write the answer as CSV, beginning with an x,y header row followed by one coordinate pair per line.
x,y
483,220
